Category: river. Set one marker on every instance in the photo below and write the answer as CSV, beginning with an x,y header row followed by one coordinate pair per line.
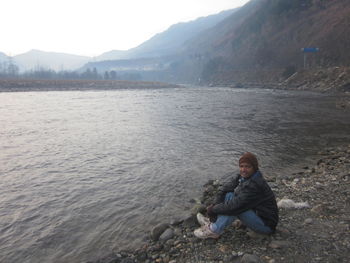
x,y
85,173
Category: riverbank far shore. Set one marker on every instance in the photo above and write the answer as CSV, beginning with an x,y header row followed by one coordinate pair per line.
x,y
314,223
20,85
327,80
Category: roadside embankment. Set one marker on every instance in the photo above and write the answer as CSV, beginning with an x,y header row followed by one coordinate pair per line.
x,y
314,225
333,79
336,79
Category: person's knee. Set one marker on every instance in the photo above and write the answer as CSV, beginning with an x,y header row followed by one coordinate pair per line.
x,y
253,221
229,196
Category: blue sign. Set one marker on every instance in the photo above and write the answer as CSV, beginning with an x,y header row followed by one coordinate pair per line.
x,y
310,49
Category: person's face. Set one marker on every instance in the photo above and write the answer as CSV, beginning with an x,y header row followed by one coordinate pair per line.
x,y
246,170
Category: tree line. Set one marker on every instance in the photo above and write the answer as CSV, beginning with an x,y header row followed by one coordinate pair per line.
x,y
8,69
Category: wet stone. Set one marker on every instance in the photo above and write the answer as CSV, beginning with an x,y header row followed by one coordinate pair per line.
x,y
177,221
158,230
167,234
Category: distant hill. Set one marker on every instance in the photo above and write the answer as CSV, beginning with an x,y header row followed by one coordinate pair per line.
x,y
137,64
49,60
112,55
3,57
168,42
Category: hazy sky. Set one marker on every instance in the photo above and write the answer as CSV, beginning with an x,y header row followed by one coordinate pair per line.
x,y
91,27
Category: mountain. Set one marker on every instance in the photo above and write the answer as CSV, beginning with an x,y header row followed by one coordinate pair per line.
x,y
210,41
49,60
168,42
171,41
269,35
112,55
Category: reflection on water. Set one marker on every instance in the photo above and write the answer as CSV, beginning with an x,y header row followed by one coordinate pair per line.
x,y
83,173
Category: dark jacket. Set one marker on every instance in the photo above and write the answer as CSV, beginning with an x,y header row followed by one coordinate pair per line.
x,y
251,193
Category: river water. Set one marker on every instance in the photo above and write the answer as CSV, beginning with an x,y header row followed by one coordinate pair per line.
x,y
84,173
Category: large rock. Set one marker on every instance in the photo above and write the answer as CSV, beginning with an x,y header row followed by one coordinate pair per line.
x,y
290,204
158,230
167,234
198,208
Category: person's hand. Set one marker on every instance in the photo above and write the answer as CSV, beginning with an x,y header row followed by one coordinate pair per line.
x,y
210,210
238,224
212,216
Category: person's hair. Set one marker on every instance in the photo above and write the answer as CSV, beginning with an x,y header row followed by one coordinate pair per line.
x,y
251,159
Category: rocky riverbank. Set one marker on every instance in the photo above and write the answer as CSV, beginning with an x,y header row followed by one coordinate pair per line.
x,y
314,223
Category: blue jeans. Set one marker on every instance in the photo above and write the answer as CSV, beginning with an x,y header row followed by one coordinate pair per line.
x,y
248,218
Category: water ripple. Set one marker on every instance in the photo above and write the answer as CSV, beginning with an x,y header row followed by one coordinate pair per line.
x,y
83,173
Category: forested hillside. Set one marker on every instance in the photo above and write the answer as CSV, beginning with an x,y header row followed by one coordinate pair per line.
x,y
270,34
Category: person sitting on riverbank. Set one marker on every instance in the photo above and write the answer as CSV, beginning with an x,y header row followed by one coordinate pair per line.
x,y
247,197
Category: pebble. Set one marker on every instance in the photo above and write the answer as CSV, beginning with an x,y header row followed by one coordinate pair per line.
x,y
317,209
279,244
249,258
308,221
127,260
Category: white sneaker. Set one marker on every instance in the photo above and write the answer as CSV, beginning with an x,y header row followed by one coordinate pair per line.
x,y
205,232
202,220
